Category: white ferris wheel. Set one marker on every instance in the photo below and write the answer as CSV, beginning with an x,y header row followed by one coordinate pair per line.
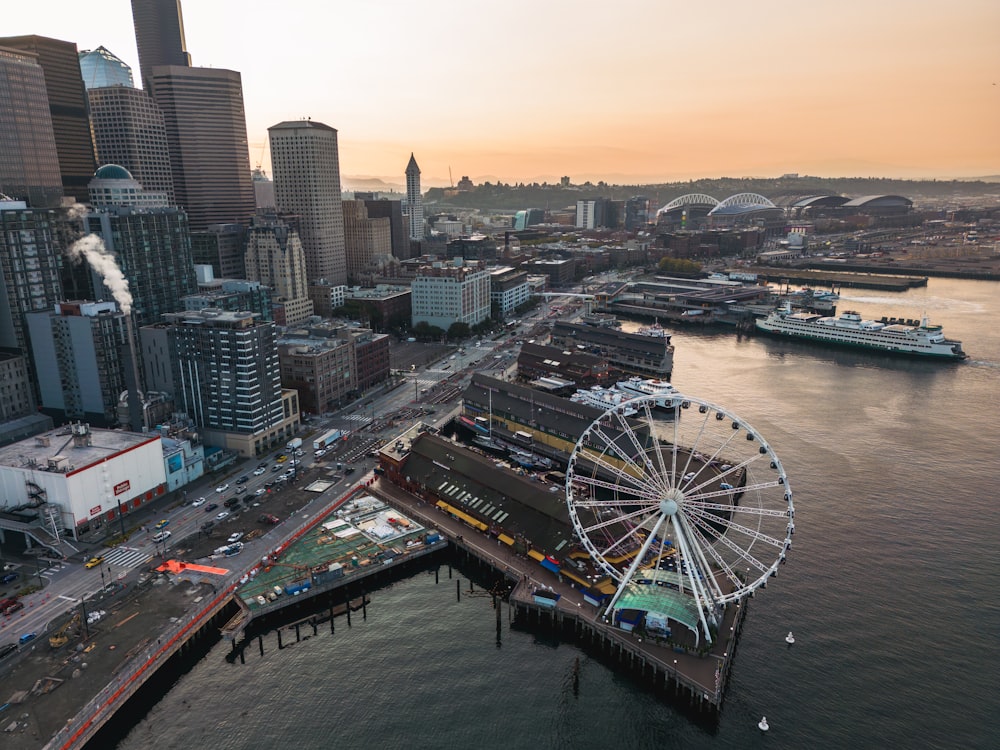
x,y
683,504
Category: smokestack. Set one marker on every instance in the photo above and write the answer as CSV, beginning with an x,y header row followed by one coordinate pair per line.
x,y
136,414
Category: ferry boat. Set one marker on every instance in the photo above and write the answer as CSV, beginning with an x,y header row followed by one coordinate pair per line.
x,y
889,335
603,398
635,387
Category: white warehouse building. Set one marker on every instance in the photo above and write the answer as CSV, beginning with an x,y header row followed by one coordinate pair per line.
x,y
69,480
456,292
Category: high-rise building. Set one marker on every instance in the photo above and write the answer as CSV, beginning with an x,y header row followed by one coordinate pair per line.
x,y
100,67
385,208
17,396
221,246
159,35
275,257
306,168
67,107
129,131
29,161
414,200
364,238
222,369
263,191
79,349
636,212
153,249
114,186
207,137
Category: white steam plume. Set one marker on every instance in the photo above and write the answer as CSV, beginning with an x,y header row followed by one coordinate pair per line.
x,y
76,211
91,248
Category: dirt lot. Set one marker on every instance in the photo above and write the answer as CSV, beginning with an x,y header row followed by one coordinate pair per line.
x,y
407,353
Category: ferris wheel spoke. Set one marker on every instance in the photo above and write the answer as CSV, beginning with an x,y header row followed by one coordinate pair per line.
x,y
720,538
732,525
618,519
650,470
646,472
617,545
600,462
749,509
699,545
693,448
657,448
636,490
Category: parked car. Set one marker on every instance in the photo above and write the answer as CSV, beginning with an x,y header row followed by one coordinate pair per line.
x,y
348,470
320,453
222,488
260,491
27,638
10,577
235,537
6,649
93,562
198,503
268,518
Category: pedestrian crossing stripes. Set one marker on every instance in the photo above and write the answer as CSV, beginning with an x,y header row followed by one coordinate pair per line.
x,y
49,572
126,557
355,419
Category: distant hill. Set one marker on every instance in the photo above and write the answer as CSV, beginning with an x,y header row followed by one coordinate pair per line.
x,y
372,184
505,197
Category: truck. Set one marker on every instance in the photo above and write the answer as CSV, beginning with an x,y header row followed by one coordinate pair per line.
x,y
294,444
327,439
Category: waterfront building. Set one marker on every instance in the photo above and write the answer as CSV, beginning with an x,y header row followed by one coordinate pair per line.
x,y
539,361
364,238
153,249
221,246
112,185
446,294
649,356
306,167
275,257
129,131
206,129
414,200
100,67
509,290
80,351
222,370
67,100
159,36
29,161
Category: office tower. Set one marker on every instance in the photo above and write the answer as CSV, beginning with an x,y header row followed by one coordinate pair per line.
x,y
129,131
275,257
528,218
153,249
636,213
17,397
207,138
306,170
263,191
79,350
443,295
67,107
222,370
384,208
414,201
221,247
29,162
159,36
32,242
100,68
364,238
114,186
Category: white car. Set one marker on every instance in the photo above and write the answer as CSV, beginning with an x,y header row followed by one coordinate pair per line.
x,y
235,537
320,453
198,503
161,537
260,491
222,516
258,471
222,488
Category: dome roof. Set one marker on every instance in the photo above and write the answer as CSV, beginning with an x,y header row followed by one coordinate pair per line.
x,y
112,172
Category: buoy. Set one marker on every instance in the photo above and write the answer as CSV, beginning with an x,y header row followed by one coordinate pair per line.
x,y
762,724
789,639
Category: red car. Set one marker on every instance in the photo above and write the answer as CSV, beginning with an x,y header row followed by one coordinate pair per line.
x,y
268,518
12,608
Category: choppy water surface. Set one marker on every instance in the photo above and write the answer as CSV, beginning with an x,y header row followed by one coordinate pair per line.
x,y
889,589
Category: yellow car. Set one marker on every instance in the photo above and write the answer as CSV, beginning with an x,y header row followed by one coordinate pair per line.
x,y
281,459
93,562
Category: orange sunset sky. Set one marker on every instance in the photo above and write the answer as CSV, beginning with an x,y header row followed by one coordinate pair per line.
x,y
627,91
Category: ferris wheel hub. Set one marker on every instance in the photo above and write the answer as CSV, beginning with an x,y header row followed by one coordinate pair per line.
x,y
671,502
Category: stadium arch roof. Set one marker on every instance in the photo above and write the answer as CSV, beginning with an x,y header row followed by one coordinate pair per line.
x,y
743,200
690,199
879,201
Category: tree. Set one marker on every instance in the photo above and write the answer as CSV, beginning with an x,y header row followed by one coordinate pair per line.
x,y
458,331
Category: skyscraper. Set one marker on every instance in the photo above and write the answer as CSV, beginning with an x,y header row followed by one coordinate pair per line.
x,y
275,257
129,131
99,68
414,201
364,238
29,162
385,208
306,167
159,35
221,247
207,137
67,107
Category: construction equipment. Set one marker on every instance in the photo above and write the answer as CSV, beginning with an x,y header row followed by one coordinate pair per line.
x,y
61,637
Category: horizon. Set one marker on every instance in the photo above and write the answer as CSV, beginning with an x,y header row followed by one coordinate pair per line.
x,y
896,90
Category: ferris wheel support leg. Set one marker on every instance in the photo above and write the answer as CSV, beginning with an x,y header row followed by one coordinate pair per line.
x,y
709,583
697,587
640,555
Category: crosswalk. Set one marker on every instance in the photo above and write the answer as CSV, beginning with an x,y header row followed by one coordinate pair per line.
x,y
126,557
52,570
356,420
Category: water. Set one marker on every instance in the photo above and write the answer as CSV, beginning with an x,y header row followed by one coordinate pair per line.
x,y
889,587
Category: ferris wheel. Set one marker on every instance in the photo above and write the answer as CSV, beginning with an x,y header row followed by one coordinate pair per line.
x,y
683,504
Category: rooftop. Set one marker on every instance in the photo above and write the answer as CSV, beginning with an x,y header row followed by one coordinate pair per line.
x,y
62,451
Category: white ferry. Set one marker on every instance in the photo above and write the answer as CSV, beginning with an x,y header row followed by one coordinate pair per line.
x,y
635,387
603,398
908,337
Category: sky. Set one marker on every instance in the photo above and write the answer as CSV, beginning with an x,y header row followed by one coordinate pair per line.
x,y
628,92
